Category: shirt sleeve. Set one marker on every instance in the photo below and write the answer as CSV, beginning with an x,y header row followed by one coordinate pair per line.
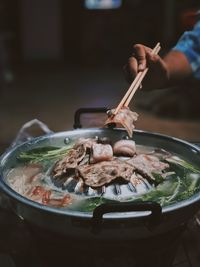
x,y
189,44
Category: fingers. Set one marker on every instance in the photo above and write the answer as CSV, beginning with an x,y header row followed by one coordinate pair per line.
x,y
131,69
158,74
142,58
137,62
140,54
133,66
155,63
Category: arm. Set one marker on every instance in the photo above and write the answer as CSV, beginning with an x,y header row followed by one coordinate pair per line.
x,y
178,67
182,62
163,72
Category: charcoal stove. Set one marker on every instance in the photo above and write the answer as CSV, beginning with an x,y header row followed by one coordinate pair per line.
x,y
29,246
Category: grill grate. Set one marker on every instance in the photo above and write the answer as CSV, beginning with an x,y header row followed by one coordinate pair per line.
x,y
114,190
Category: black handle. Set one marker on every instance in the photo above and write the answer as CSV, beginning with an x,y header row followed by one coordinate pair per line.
x,y
151,219
80,111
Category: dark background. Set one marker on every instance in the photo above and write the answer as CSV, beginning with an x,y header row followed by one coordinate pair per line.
x,y
67,31
56,56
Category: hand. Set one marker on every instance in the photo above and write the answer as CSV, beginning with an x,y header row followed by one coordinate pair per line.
x,y
157,75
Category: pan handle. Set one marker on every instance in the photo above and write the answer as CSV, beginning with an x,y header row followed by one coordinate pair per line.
x,y
80,111
151,219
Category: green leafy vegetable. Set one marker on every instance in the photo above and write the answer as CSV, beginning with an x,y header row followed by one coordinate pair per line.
x,y
88,205
158,178
183,163
44,154
183,184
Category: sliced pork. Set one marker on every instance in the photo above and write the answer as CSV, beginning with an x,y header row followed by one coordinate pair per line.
x,y
124,117
70,161
99,174
124,148
146,165
101,152
77,155
86,142
95,164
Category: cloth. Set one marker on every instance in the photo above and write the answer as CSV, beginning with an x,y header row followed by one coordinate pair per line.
x,y
189,44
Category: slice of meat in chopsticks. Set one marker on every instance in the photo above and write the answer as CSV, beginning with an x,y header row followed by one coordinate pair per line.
x,y
122,114
124,117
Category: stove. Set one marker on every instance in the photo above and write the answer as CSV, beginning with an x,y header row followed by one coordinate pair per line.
x,y
24,245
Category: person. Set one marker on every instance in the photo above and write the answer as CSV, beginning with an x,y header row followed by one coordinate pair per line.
x,y
179,64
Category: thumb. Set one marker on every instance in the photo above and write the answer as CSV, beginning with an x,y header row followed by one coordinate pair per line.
x,y
156,63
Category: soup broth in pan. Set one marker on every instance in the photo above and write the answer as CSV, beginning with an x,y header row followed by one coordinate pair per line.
x,y
89,172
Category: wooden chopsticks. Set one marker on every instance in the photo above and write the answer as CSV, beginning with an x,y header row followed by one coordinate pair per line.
x,y
135,84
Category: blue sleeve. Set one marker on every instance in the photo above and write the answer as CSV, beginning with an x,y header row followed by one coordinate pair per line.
x,y
189,44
